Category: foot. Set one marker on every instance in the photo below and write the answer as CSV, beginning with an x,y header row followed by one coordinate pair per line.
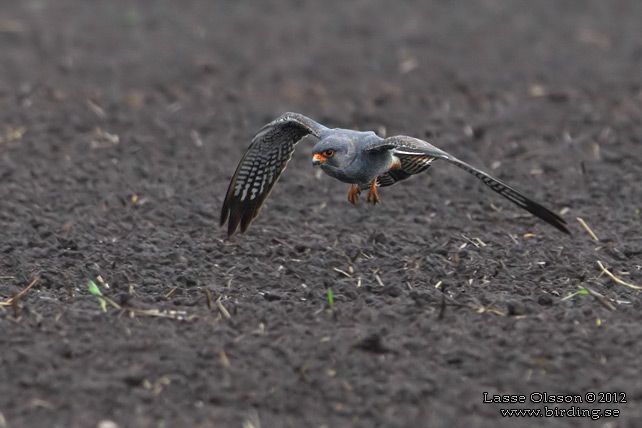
x,y
353,194
373,197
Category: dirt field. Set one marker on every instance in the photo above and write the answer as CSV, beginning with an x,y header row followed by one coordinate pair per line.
x,y
121,123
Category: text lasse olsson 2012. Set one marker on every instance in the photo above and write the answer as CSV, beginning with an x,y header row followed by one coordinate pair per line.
x,y
544,397
557,412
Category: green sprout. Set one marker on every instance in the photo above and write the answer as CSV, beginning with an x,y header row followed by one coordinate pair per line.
x,y
330,298
94,290
577,293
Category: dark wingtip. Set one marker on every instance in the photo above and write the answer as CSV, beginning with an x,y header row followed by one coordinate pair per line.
x,y
231,228
562,226
224,215
247,218
232,223
548,216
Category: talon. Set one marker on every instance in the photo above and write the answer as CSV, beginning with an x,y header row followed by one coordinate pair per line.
x,y
373,197
353,194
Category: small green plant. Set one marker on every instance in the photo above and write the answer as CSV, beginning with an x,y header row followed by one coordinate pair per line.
x,y
577,293
94,290
330,298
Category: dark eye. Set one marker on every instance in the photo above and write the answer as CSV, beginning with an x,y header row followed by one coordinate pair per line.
x,y
328,153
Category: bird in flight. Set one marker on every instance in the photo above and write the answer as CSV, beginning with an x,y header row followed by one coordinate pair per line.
x,y
362,159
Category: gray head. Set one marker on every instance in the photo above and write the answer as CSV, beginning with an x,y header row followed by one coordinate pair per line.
x,y
334,153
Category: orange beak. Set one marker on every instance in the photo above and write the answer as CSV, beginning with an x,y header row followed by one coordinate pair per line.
x,y
318,159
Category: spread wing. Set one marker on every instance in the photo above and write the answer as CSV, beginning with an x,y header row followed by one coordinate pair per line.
x,y
408,147
409,166
261,166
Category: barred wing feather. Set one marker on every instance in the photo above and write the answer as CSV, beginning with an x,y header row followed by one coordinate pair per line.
x,y
261,167
403,146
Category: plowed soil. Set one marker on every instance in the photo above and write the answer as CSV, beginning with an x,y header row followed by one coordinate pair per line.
x,y
121,123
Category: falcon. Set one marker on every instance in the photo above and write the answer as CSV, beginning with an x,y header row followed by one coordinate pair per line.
x,y
362,159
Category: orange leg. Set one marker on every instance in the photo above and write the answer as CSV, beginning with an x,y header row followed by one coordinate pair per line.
x,y
353,194
373,197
